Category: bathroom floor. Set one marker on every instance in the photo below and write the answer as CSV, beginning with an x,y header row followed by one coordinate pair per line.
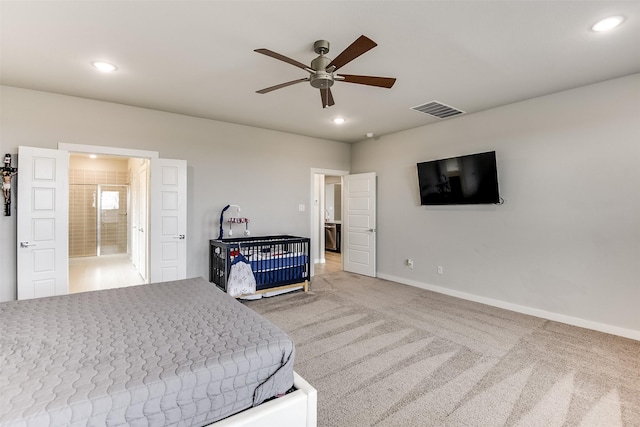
x,y
103,272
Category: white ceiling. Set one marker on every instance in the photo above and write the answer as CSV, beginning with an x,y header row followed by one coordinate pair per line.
x,y
196,57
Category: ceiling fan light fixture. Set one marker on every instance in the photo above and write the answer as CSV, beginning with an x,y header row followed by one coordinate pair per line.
x,y
607,24
105,67
338,120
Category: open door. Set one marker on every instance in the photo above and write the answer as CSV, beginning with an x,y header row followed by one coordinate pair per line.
x,y
43,217
168,218
359,231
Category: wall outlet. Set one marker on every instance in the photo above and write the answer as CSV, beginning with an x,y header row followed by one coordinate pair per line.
x,y
409,262
440,269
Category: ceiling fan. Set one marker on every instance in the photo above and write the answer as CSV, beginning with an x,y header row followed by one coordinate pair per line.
x,y
323,70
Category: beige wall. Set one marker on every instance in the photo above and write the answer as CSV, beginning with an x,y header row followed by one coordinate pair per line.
x,y
566,242
266,172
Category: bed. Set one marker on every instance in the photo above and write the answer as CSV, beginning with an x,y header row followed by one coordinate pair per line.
x,y
177,353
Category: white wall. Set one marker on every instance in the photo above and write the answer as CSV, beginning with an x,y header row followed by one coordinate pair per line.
x,y
266,172
566,242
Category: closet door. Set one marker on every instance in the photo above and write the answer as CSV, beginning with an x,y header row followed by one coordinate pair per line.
x,y
168,219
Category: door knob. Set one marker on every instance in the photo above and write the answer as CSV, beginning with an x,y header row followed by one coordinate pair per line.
x,y
181,237
26,244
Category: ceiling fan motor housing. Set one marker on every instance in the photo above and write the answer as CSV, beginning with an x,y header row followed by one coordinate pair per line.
x,y
321,79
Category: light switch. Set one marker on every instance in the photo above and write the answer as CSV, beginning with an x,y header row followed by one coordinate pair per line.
x,y
301,207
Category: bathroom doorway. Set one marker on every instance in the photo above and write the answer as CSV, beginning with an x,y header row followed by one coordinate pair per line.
x,y
103,217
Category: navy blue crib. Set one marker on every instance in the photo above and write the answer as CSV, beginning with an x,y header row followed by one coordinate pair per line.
x,y
278,262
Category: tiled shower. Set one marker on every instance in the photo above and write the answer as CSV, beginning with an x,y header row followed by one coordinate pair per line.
x,y
98,208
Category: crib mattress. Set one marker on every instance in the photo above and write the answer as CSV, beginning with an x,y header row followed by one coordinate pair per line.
x,y
176,353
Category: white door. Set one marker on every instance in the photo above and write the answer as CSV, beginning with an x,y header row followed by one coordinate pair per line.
x,y
359,223
168,219
143,221
43,218
133,217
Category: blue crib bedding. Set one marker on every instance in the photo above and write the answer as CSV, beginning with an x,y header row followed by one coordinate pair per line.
x,y
279,268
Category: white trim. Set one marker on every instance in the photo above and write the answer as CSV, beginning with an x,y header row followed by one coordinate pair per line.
x,y
562,318
111,151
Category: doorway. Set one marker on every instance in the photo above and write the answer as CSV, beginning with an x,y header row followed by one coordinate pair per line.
x,y
332,217
326,220
107,214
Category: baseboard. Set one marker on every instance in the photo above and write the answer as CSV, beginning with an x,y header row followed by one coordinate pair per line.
x,y
569,320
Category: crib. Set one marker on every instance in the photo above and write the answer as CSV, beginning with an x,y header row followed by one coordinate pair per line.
x,y
278,263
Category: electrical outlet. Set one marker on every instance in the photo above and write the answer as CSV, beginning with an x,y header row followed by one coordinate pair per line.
x,y
409,263
440,269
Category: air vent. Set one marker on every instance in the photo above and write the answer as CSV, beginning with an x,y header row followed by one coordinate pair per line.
x,y
438,109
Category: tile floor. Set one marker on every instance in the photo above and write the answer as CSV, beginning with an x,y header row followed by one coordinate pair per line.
x,y
103,272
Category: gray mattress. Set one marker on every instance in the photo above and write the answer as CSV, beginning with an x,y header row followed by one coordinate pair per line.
x,y
178,353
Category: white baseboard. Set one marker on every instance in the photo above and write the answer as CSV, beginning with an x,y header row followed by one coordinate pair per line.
x,y
569,320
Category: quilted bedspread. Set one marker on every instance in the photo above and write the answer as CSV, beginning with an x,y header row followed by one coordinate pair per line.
x,y
177,353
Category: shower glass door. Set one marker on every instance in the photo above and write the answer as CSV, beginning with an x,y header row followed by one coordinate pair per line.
x,y
112,219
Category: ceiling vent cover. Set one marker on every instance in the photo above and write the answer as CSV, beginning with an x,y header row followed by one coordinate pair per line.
x,y
438,109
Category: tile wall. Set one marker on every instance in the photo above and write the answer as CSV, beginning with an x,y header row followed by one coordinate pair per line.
x,y
83,223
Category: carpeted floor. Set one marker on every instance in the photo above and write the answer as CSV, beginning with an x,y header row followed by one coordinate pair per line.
x,y
385,354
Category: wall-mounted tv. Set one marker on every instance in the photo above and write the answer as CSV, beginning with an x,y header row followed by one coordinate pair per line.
x,y
463,180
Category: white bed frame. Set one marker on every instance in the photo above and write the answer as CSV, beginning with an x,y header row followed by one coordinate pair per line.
x,y
296,409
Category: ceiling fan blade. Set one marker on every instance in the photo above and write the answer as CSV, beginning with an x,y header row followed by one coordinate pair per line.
x,y
327,98
284,58
368,80
281,85
361,45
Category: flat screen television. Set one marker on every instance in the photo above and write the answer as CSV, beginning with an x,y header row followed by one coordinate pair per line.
x,y
463,180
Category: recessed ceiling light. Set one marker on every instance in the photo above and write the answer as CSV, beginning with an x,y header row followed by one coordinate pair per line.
x,y
93,156
105,67
607,24
338,120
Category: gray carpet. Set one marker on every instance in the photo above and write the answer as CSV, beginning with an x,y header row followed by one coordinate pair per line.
x,y
385,354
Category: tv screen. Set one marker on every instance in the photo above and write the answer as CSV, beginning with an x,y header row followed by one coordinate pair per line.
x,y
463,180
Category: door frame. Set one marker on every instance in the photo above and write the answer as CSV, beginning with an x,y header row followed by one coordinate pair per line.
x,y
316,207
114,151
111,151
